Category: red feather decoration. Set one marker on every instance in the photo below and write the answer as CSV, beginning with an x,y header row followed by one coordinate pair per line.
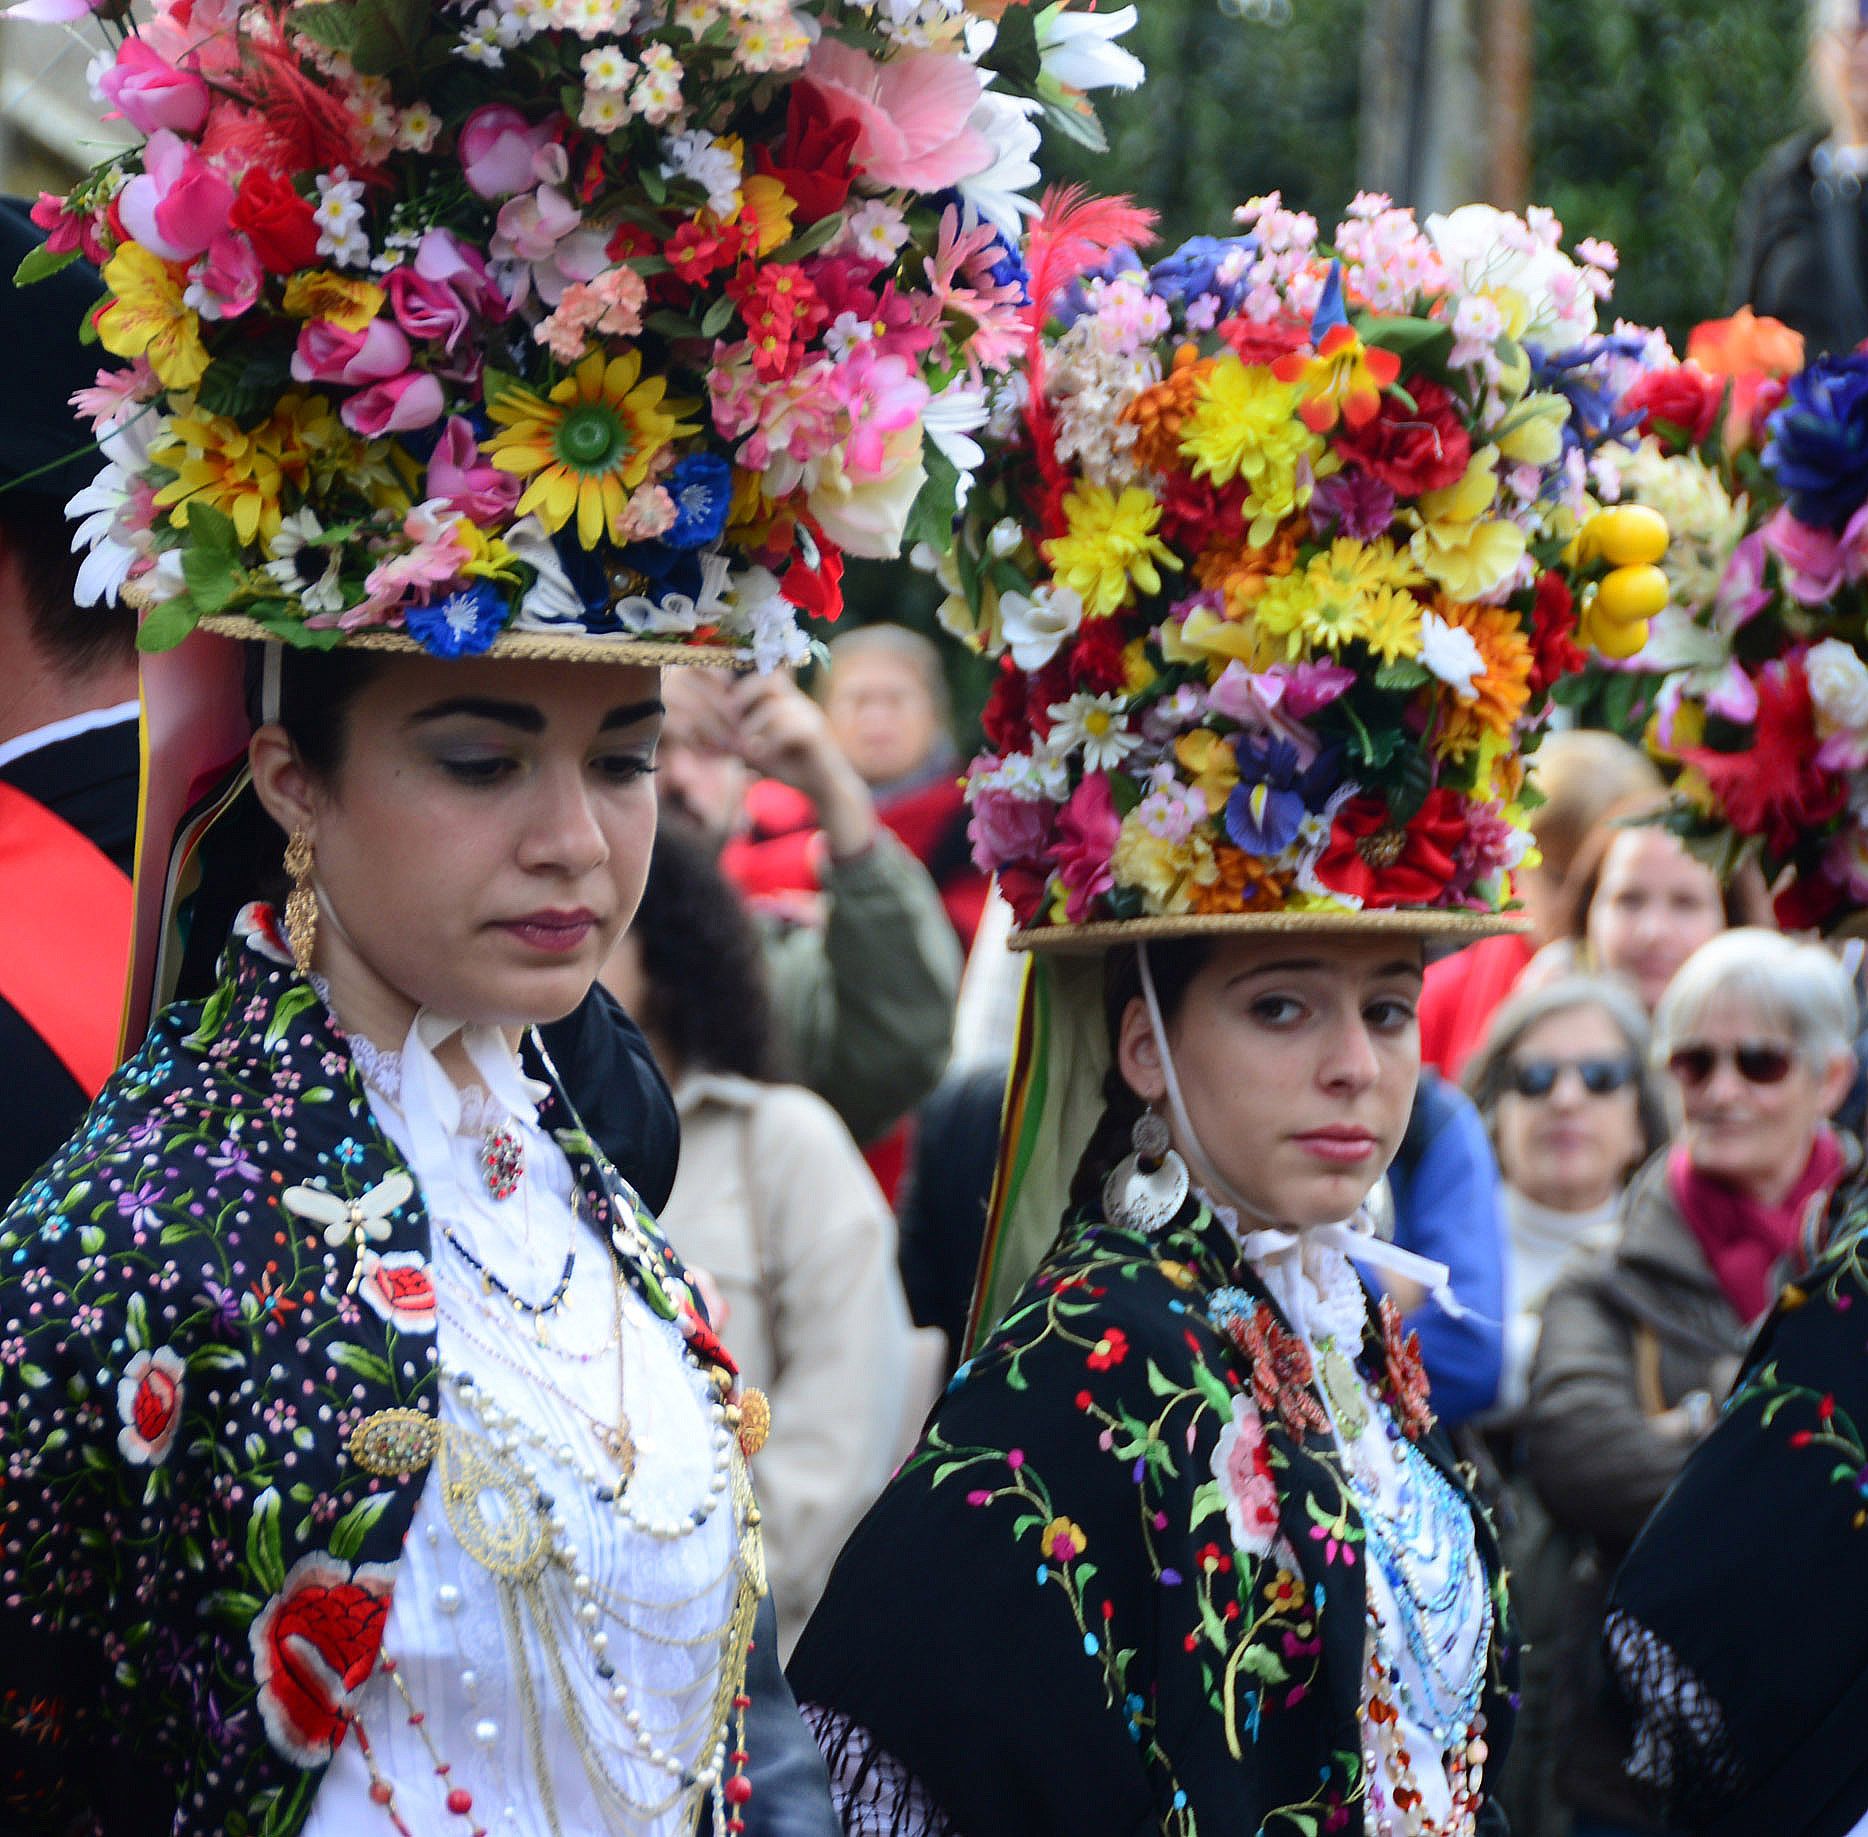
x,y
291,120
1074,231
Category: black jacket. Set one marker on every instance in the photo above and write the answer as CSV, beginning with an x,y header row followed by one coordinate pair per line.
x,y
1798,247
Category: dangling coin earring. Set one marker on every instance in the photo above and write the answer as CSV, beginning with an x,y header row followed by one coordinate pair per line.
x,y
1148,1186
301,904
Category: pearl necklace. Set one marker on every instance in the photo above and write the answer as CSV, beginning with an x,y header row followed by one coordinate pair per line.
x,y
507,1430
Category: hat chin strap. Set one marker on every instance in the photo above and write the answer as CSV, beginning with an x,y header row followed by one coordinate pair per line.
x,y
1274,1241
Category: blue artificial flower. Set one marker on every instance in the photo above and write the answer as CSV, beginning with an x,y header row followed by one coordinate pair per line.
x,y
702,488
668,570
462,625
1330,311
1594,419
1818,449
1274,794
1074,301
1193,270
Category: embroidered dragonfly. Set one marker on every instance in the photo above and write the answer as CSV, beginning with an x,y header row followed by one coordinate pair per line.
x,y
357,1222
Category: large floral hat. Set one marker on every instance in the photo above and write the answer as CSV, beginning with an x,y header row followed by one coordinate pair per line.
x,y
549,327
1281,573
1752,690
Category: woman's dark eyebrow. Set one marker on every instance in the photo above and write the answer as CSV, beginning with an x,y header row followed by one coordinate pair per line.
x,y
630,715
1288,966
522,715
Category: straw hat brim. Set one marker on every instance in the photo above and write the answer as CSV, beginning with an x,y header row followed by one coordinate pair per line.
x,y
517,647
1449,928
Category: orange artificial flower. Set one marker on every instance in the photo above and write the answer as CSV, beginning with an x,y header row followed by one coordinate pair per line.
x,y
1159,412
1746,345
1504,686
1244,884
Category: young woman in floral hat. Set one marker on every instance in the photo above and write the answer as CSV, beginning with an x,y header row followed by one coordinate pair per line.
x,y
1182,1549
370,1463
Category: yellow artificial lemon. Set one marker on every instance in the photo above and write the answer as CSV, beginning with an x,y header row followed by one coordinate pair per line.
x,y
1612,639
1628,595
1630,534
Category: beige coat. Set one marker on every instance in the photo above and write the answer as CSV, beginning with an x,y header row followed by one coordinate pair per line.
x,y
774,1201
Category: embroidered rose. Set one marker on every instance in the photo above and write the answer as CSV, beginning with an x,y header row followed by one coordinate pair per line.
x,y
1281,1372
1406,1375
400,1289
258,926
315,1644
1242,1466
149,1399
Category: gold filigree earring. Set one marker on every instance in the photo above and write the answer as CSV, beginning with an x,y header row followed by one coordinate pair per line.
x,y
301,904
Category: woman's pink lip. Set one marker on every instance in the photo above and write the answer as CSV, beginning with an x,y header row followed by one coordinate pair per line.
x,y
1339,1148
554,932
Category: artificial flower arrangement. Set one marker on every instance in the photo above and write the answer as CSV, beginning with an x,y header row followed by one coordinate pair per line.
x,y
549,316
1759,463
1276,579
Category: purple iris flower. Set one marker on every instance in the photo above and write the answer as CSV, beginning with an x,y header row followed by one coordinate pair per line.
x,y
1275,793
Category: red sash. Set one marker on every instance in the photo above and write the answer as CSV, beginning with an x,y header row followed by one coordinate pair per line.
x,y
64,936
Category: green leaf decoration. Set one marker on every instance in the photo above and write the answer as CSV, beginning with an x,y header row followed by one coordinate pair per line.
x,y
367,1365
265,1551
292,1004
212,531
718,317
1076,124
1014,54
167,625
808,240
214,1013
931,519
232,1606
1402,675
41,264
348,1533
136,1323
213,578
1421,341
379,37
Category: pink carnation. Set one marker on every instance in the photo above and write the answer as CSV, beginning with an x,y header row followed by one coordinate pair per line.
x,y
1005,828
911,114
1086,839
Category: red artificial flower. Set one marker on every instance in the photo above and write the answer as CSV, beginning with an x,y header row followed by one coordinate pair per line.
x,y
1006,718
1554,650
1774,788
814,166
315,1645
1381,865
694,251
1807,902
781,310
1096,658
1022,885
1679,406
1197,515
276,221
816,591
1264,344
1411,450
1110,1349
629,239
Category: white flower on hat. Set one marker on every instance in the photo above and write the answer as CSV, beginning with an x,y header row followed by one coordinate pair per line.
x,y
997,194
1036,625
1080,51
1838,687
1490,249
1098,725
1451,653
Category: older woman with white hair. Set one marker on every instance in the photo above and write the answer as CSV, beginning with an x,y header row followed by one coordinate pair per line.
x,y
1641,1343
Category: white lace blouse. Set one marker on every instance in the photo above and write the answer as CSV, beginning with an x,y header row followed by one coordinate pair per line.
x,y
562,1705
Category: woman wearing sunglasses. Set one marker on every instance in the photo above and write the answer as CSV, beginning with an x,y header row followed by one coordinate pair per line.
x,y
1563,1085
1640,1344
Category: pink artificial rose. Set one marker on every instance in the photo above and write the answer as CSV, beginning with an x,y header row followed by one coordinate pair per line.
x,y
1086,839
1007,828
227,280
500,151
481,493
397,406
327,353
428,310
1812,558
532,226
151,94
178,203
911,114
442,256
